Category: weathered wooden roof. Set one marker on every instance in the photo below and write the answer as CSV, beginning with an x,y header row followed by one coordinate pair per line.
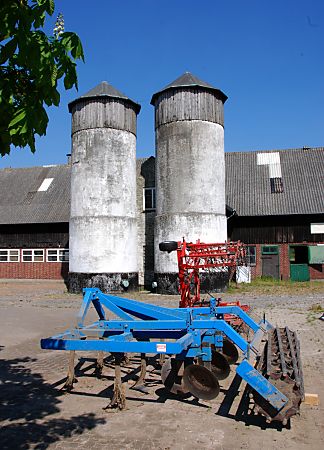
x,y
35,195
254,181
189,80
104,89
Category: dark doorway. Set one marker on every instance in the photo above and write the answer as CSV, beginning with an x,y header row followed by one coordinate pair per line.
x,y
299,254
270,261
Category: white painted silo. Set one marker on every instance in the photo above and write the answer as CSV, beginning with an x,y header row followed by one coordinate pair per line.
x,y
190,170
103,229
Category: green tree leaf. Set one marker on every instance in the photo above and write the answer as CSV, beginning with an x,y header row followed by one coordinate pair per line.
x,y
20,115
8,50
31,65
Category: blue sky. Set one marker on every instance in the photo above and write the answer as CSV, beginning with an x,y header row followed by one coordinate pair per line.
x,y
267,56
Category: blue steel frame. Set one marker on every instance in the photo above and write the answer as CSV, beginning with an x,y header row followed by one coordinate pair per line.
x,y
143,328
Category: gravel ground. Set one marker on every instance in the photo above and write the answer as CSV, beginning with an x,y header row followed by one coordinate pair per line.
x,y
34,413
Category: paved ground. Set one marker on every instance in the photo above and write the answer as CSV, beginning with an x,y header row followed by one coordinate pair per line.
x,y
34,413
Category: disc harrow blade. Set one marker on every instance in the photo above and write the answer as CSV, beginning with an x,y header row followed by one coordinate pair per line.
x,y
230,351
219,365
200,382
280,363
171,375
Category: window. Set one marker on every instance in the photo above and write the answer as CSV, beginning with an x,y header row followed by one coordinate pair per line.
x,y
272,160
292,254
149,198
298,254
276,185
317,228
45,184
270,250
58,255
9,255
251,255
316,254
33,255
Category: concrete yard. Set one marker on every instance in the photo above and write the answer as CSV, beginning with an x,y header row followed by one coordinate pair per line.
x,y
34,413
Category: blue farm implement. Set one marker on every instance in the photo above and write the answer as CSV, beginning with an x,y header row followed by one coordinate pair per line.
x,y
197,345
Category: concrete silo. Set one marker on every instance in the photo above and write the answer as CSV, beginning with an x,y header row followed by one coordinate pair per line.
x,y
190,172
103,228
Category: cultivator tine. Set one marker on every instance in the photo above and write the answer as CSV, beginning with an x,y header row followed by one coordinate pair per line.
x,y
68,385
119,396
139,384
161,359
99,364
141,378
125,361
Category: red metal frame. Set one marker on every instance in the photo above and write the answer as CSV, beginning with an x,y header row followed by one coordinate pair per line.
x,y
193,258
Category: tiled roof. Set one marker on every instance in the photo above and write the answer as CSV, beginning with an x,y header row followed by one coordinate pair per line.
x,y
248,186
248,182
22,202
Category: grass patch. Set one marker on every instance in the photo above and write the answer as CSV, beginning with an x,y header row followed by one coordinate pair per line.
x,y
317,308
268,285
313,313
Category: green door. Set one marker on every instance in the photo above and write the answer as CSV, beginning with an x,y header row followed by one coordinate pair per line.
x,y
299,272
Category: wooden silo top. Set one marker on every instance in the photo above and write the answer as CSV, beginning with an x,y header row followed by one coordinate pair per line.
x,y
103,90
188,98
188,80
104,107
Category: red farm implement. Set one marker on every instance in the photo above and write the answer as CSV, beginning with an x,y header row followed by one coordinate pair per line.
x,y
195,258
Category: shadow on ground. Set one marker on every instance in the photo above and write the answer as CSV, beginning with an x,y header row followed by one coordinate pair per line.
x,y
244,412
26,404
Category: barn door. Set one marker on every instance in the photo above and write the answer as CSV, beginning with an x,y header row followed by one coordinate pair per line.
x,y
270,261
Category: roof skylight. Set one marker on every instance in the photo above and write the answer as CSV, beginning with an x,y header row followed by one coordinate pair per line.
x,y
45,184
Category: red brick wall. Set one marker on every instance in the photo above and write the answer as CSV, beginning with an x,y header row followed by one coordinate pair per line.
x,y
256,271
36,270
316,271
284,263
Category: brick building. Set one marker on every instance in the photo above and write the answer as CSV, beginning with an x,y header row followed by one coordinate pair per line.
x,y
275,205
279,203
34,222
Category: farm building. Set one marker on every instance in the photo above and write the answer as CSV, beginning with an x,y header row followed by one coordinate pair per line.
x,y
34,222
274,200
279,204
98,220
